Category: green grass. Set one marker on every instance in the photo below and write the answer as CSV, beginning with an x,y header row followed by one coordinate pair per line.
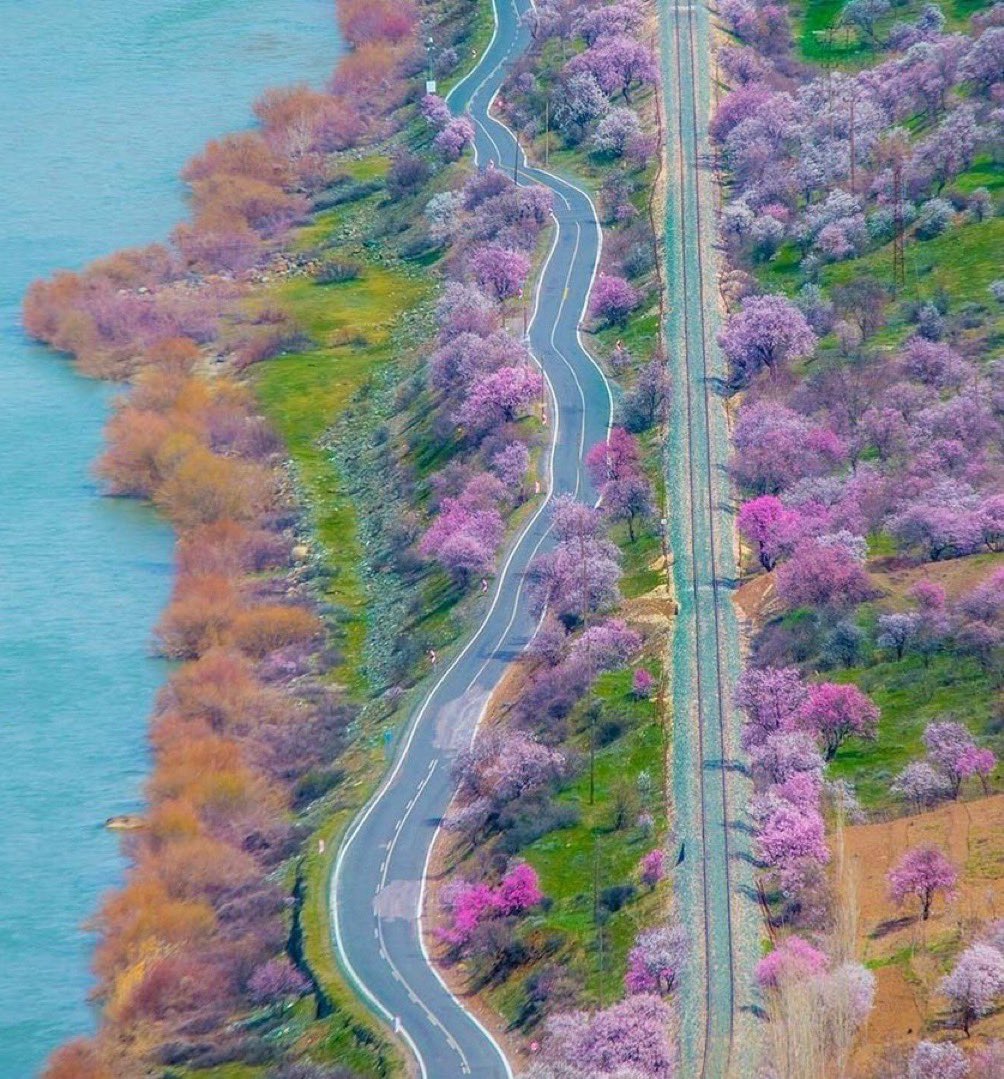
x,y
223,1071
638,556
571,860
961,262
475,44
352,326
909,696
819,37
302,394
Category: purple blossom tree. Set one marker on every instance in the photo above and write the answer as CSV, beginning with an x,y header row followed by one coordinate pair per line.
x,y
983,64
775,446
988,1060
464,309
511,464
618,63
574,520
937,1060
615,470
642,684
580,101
769,697
499,270
653,868
502,767
941,529
975,985
897,630
922,784
952,749
275,981
455,137
613,20
633,1034
518,891
605,646
462,540
789,835
822,575
436,111
933,363
468,904
946,152
769,332
580,576
499,398
922,873
613,299
979,762
784,754
616,131
992,520
770,526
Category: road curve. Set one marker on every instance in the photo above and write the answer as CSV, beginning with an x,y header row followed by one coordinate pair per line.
x,y
377,887
714,882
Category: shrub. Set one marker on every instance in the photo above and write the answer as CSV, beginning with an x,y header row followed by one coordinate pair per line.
x,y
198,617
335,271
616,896
264,629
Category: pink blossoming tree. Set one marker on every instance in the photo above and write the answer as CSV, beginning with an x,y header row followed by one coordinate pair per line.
x,y
793,958
657,959
922,873
833,712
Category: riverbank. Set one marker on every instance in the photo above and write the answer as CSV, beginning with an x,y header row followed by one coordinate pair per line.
x,y
77,677
188,438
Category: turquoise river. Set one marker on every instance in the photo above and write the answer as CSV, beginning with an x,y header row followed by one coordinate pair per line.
x,y
101,102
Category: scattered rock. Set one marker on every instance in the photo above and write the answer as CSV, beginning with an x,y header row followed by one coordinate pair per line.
x,y
125,822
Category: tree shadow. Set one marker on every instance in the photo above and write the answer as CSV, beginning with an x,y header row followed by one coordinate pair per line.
x,y
892,925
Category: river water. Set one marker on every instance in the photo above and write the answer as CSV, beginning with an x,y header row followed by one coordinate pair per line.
x,y
101,102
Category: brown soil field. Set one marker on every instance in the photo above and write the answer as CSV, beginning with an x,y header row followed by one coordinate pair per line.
x,y
910,956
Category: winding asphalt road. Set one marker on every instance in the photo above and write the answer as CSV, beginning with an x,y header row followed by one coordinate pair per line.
x,y
714,883
377,887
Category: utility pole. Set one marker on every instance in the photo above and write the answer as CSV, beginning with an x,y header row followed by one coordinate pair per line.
x,y
898,227
597,920
893,153
547,133
593,714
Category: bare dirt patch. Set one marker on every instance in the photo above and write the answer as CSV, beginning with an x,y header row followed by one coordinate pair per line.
x,y
755,598
895,578
910,956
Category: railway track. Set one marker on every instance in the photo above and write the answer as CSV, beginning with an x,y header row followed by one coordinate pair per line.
x,y
707,638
